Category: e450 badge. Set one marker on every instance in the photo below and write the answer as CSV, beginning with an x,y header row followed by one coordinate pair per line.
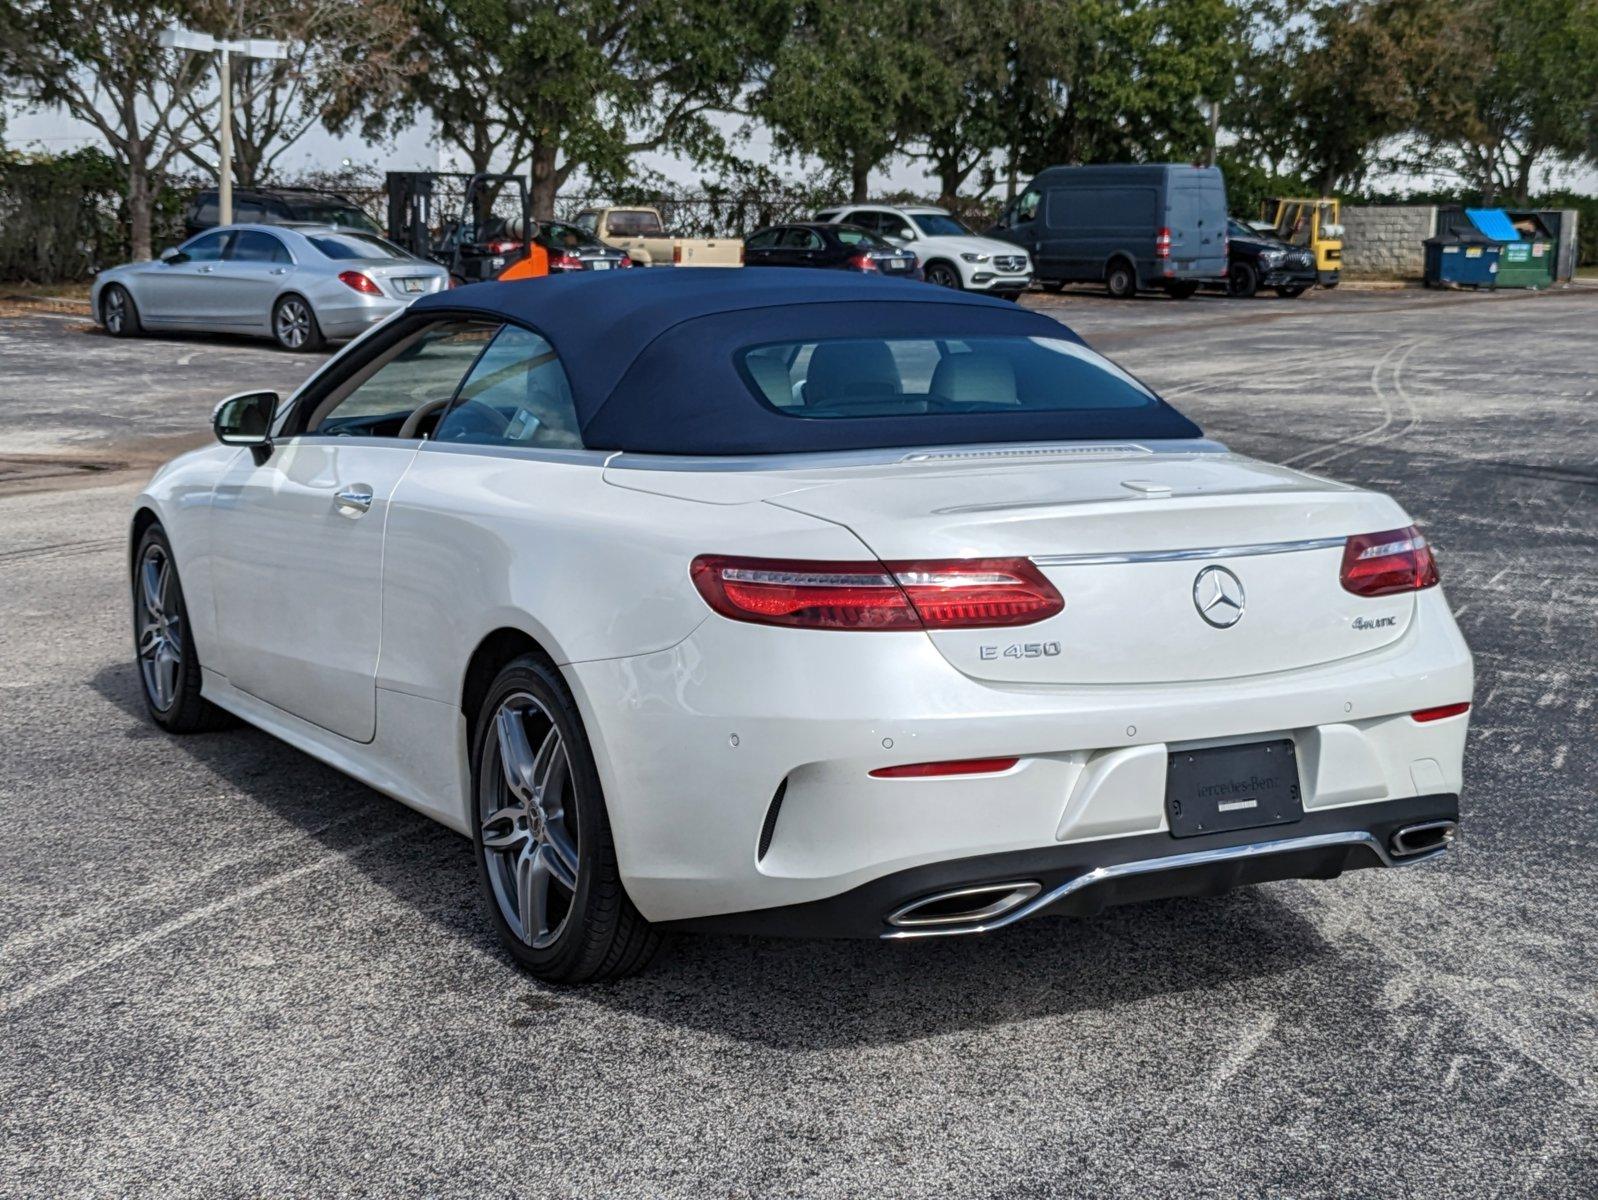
x,y
1019,650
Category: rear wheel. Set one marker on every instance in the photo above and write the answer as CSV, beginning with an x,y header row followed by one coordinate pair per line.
x,y
943,275
163,644
1242,281
294,324
118,313
1120,280
545,856
1291,293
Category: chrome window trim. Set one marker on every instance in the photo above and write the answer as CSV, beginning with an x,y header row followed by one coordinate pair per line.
x,y
1176,862
576,457
1146,556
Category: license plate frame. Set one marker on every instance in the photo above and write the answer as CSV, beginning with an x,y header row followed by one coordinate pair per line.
x,y
412,285
1249,785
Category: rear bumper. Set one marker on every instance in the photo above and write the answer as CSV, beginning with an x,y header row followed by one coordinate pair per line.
x,y
1082,879
347,319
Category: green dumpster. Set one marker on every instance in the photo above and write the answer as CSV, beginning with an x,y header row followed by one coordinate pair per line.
x,y
1527,258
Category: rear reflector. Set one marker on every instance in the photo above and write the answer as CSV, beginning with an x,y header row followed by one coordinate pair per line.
x,y
1441,711
959,766
1381,564
967,593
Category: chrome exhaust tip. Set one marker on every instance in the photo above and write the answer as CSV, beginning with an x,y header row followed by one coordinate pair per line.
x,y
964,906
1432,837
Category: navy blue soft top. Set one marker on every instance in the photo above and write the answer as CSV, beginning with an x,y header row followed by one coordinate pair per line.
x,y
651,356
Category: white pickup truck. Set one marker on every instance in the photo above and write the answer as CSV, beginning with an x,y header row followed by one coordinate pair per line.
x,y
642,234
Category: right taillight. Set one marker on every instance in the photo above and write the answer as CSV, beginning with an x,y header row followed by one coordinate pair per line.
x,y
863,262
1162,244
1381,564
965,593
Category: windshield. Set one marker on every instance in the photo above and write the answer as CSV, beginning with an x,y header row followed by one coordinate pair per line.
x,y
894,377
356,245
632,222
939,225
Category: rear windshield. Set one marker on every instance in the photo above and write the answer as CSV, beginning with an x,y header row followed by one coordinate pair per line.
x,y
356,245
633,223
899,377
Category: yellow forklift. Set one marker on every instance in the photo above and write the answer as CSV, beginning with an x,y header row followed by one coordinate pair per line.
x,y
1316,223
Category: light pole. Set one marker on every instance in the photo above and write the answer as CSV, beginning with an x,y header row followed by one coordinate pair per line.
x,y
178,38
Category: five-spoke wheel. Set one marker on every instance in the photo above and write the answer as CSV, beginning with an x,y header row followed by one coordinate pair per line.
x,y
160,626
294,325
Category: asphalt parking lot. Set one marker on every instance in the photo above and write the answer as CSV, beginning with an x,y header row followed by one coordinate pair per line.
x,y
228,970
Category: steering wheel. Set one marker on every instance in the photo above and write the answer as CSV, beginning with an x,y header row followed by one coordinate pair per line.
x,y
414,421
472,419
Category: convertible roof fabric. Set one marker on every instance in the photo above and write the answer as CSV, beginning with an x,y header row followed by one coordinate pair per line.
x,y
650,355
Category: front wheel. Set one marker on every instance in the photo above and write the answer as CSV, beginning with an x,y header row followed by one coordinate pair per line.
x,y
163,644
294,325
545,856
943,275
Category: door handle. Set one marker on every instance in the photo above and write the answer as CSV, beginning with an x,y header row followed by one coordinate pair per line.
x,y
206,270
280,271
353,500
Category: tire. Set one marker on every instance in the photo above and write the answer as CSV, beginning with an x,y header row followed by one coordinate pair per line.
x,y
941,274
549,834
294,325
1181,291
163,643
1051,285
1242,281
118,313
1291,293
1120,280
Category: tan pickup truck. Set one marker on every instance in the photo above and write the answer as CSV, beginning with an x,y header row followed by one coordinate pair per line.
x,y
642,234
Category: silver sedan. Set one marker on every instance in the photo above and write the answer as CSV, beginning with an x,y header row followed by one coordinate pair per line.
x,y
302,285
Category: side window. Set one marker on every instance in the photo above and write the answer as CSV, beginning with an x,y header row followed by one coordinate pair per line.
x,y
865,220
1026,208
205,210
252,246
248,212
208,247
405,393
763,240
893,225
588,221
516,395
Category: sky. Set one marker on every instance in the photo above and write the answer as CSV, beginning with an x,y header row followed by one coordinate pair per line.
x,y
415,149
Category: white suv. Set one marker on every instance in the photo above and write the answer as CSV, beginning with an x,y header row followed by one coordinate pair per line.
x,y
950,254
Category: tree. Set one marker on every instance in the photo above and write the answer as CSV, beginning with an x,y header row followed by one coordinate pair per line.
x,y
98,59
843,86
346,59
587,84
1524,90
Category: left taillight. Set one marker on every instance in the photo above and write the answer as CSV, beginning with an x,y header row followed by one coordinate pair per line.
x,y
863,262
1382,564
361,283
967,593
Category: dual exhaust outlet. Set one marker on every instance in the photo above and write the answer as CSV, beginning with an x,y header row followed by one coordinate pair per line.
x,y
972,906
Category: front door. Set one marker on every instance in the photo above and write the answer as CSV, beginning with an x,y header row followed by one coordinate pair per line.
x,y
297,540
184,294
249,278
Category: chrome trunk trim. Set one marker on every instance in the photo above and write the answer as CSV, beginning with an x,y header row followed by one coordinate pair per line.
x,y
1145,556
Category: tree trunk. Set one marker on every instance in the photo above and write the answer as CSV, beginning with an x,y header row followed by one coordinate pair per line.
x,y
546,180
1523,176
950,176
859,180
140,206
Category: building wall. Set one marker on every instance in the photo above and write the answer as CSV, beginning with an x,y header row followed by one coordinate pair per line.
x,y
1385,239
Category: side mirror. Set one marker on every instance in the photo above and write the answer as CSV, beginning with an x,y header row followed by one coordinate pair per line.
x,y
246,420
172,256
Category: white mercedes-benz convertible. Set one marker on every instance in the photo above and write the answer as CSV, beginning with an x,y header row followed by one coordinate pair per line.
x,y
794,602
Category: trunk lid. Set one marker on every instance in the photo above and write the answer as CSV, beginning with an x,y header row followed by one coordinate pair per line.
x,y
1125,540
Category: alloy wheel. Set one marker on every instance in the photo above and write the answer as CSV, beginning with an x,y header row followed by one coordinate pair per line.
x,y
293,323
942,276
529,833
114,311
160,626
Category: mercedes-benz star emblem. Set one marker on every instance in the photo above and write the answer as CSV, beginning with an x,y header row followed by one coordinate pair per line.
x,y
1218,596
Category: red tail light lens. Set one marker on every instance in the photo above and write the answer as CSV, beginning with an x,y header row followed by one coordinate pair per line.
x,y
1382,564
676,253
863,262
1440,712
967,593
626,261
361,283
962,766
1162,244
565,262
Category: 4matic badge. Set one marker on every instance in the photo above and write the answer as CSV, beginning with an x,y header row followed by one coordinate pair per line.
x,y
1377,623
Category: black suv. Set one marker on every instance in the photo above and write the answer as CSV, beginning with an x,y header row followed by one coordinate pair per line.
x,y
1255,260
279,206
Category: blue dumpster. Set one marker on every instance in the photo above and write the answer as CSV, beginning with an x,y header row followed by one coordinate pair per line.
x,y
1460,254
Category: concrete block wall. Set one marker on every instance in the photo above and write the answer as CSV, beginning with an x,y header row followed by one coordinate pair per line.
x,y
1385,239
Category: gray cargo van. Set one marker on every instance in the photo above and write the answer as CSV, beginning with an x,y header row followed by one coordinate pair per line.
x,y
1156,226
